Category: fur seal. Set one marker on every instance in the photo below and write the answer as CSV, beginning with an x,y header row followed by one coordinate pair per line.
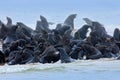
x,y
98,27
91,52
70,20
45,24
9,21
82,32
2,58
64,57
49,55
116,34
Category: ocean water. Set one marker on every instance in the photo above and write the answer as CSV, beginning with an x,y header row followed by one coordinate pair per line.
x,y
102,69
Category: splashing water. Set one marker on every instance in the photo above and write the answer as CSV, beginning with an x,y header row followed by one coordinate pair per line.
x,y
101,69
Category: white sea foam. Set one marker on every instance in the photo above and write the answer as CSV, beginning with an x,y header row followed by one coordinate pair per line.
x,y
79,65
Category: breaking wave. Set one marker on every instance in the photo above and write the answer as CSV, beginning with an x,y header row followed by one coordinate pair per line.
x,y
79,65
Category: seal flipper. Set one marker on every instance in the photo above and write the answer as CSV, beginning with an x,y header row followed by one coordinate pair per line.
x,y
3,30
118,58
9,21
88,21
70,20
45,24
64,56
39,27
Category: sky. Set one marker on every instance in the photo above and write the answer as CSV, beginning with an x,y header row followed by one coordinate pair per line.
x,y
28,11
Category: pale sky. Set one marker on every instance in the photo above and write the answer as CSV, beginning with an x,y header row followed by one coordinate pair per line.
x,y
28,11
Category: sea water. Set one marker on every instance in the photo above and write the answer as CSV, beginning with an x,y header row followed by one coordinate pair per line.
x,y
102,69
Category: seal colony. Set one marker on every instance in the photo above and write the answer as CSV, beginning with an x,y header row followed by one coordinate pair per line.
x,y
23,45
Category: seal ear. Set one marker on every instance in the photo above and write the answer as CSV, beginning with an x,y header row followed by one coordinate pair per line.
x,y
9,21
70,20
88,21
